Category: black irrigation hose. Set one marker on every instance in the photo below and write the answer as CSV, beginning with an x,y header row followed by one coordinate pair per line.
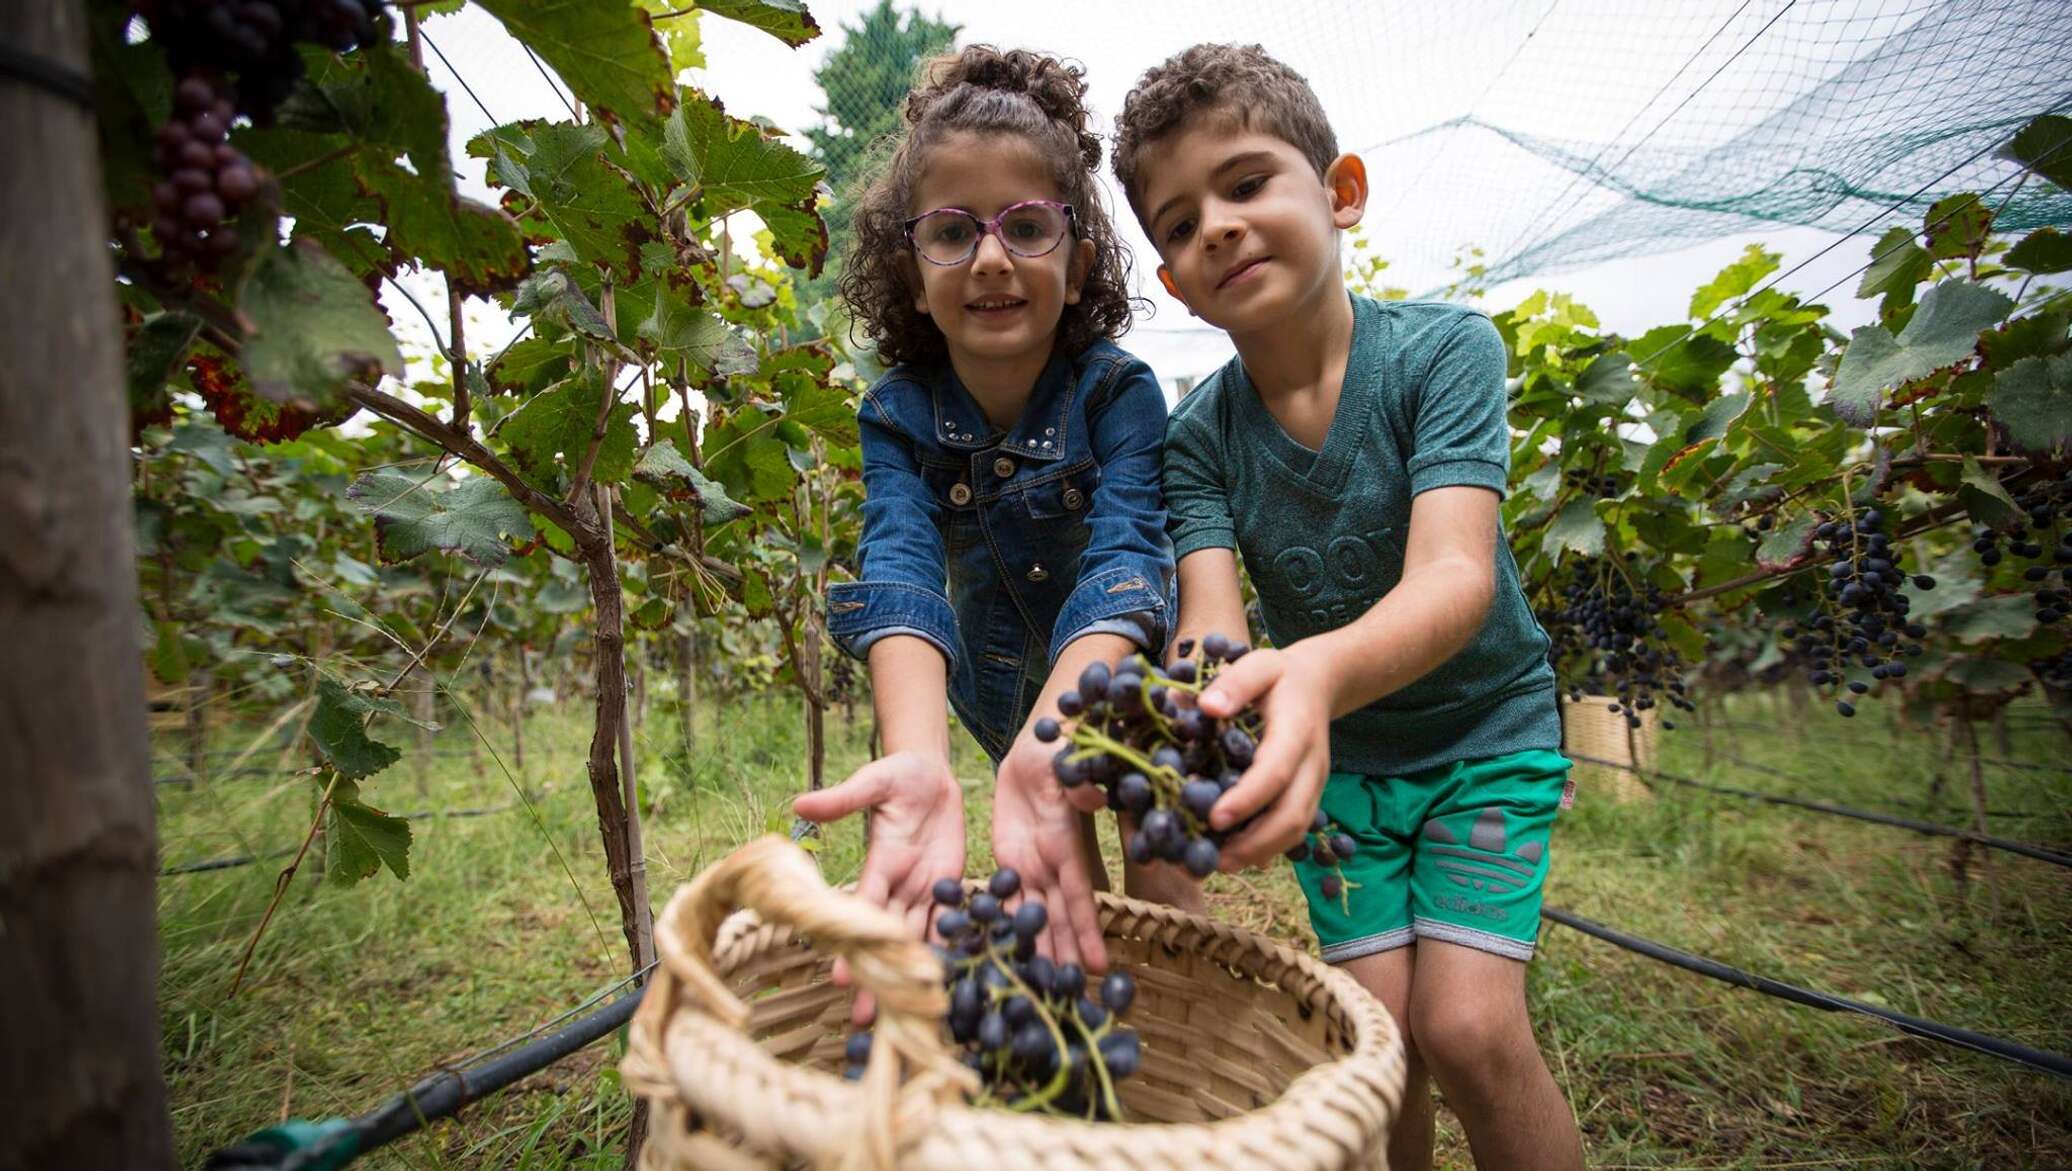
x,y
2028,766
443,1094
248,859
299,1146
1795,778
2057,1063
1920,827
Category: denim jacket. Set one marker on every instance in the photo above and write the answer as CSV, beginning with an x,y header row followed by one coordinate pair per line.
x,y
1042,534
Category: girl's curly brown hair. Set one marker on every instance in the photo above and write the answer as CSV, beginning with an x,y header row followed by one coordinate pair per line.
x,y
987,91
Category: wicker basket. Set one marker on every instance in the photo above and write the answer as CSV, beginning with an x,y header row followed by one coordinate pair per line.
x,y
1255,1056
1589,728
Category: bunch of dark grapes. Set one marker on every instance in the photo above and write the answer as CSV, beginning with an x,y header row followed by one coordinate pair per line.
x,y
1161,761
254,40
1614,629
1861,619
841,680
232,58
206,181
1037,1036
2056,671
2040,538
1602,487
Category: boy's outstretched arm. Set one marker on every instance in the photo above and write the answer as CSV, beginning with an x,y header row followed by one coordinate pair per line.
x,y
1448,583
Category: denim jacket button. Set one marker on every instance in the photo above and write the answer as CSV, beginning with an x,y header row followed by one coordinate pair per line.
x,y
1038,573
960,495
1073,499
1003,467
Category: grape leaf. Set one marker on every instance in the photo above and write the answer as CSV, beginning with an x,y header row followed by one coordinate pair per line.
x,y
787,20
362,839
530,365
168,657
2045,147
819,408
744,455
322,194
1719,415
1575,527
1897,265
701,338
664,468
2044,250
1985,674
1943,332
1988,618
475,518
590,206
1608,380
1979,480
2032,399
154,352
730,161
1689,366
1786,544
605,50
552,296
313,328
561,422
1735,280
1957,227
339,729
797,236
480,247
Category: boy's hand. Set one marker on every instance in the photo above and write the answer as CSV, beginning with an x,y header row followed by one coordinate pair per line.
x,y
1036,833
1293,694
916,836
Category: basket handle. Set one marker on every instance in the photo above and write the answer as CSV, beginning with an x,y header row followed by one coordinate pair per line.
x,y
910,1069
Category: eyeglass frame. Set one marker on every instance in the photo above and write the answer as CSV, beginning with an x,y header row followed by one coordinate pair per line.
x,y
993,226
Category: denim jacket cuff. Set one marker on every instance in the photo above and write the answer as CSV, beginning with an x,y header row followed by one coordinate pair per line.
x,y
857,609
1112,594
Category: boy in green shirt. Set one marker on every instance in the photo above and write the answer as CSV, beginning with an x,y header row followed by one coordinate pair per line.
x,y
1355,452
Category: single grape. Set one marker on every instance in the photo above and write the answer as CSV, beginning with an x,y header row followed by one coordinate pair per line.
x,y
858,1049
948,891
1118,990
984,907
1202,857
1030,919
1046,729
1121,1053
1005,883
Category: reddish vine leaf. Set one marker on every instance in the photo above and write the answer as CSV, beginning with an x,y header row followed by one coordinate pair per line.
x,y
248,416
1958,227
1786,545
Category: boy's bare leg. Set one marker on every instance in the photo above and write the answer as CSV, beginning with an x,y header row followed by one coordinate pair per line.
x,y
1387,975
1467,1011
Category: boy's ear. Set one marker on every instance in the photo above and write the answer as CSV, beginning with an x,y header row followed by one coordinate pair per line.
x,y
1076,272
1346,178
1165,277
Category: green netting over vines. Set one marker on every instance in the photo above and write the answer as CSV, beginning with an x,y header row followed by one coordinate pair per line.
x,y
1730,115
1554,133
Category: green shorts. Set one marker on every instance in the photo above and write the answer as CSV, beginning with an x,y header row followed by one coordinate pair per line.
x,y
1456,853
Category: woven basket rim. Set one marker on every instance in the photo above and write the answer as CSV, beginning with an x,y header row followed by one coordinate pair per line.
x,y
1332,1115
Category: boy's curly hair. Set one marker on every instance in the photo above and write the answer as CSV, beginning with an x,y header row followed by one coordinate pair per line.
x,y
1241,83
987,91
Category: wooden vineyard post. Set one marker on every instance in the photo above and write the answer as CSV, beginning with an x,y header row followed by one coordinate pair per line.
x,y
80,1068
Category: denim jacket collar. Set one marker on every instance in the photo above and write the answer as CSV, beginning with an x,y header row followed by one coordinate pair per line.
x,y
961,424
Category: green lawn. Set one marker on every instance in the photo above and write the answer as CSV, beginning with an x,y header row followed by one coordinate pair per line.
x,y
508,918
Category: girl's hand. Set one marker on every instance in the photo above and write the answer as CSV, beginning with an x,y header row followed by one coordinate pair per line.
x,y
1036,833
916,836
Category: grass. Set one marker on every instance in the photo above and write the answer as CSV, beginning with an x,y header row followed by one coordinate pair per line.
x,y
507,919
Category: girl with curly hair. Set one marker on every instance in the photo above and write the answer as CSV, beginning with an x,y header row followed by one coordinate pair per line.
x,y
1013,526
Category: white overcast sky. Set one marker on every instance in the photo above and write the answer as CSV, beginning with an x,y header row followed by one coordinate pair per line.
x,y
1585,71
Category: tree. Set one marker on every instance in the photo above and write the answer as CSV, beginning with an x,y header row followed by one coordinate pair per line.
x,y
866,83
79,970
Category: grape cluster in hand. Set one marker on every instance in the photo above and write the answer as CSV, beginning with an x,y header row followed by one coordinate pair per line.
x,y
1862,617
1161,761
1039,1038
1613,626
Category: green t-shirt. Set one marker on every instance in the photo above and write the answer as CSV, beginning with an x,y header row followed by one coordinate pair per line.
x,y
1322,533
